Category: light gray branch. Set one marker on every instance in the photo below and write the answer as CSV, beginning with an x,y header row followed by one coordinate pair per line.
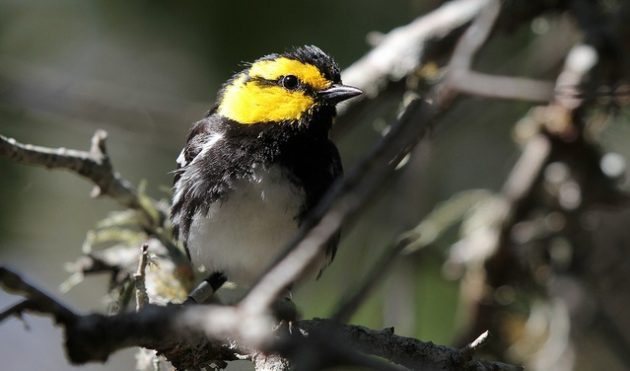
x,y
399,52
462,78
93,165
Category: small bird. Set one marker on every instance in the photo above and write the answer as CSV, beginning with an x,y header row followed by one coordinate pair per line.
x,y
259,161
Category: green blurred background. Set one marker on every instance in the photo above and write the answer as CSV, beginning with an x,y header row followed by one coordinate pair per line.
x,y
144,71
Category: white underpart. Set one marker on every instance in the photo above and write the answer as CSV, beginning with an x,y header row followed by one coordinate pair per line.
x,y
243,234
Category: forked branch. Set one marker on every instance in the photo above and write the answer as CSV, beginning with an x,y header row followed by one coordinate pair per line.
x,y
93,165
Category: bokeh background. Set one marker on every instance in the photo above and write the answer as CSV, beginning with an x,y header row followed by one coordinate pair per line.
x,y
145,70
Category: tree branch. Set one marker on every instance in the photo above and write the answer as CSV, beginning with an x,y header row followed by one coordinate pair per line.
x,y
411,353
462,78
399,52
177,329
37,299
93,165
139,278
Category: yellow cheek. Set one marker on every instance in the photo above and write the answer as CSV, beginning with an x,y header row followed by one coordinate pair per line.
x,y
249,103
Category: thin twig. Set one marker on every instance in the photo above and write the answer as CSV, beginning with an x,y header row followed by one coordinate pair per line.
x,y
16,309
139,278
38,299
475,37
474,345
462,78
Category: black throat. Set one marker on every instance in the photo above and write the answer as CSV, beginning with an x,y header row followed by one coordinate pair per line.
x,y
302,149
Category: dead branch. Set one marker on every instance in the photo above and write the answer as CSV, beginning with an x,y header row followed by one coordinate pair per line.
x,y
139,278
177,329
462,78
93,165
37,299
409,352
400,51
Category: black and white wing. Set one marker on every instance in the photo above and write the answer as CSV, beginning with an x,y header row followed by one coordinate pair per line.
x,y
199,179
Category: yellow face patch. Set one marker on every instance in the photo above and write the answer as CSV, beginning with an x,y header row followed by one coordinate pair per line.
x,y
273,69
251,103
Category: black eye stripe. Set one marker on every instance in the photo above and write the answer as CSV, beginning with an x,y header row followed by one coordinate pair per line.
x,y
261,81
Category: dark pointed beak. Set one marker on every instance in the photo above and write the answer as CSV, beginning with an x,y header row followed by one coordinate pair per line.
x,y
338,93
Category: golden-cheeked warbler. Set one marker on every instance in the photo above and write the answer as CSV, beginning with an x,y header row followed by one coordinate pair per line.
x,y
260,160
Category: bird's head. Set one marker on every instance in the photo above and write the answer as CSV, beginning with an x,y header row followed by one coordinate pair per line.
x,y
285,88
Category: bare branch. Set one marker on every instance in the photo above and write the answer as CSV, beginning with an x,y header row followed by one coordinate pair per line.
x,y
400,51
93,165
475,37
556,136
527,169
408,352
37,298
502,87
463,79
139,278
192,335
471,348
17,309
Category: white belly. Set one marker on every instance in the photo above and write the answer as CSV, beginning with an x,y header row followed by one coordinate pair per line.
x,y
243,234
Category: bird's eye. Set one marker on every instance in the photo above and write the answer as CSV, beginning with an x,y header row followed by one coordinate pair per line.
x,y
290,82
